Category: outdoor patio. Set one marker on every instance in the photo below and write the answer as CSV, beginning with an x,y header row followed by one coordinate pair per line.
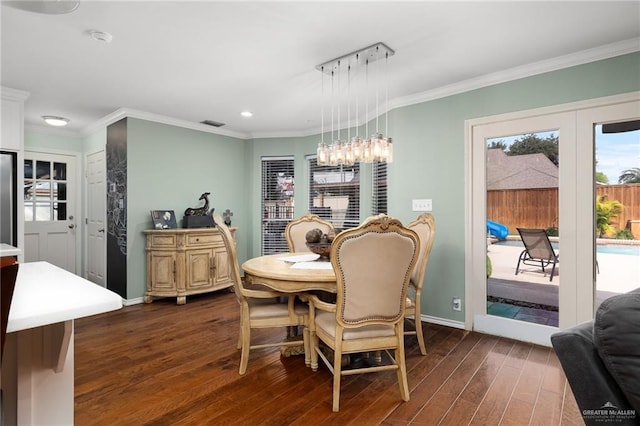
x,y
530,296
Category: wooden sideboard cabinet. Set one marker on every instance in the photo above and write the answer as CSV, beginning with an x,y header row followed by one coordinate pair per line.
x,y
182,262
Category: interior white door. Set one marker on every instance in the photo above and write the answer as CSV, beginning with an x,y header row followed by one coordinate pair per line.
x,y
96,211
50,231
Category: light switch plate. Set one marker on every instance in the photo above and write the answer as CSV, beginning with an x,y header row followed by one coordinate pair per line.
x,y
422,205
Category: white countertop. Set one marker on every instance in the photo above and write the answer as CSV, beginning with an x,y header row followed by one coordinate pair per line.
x,y
45,294
7,250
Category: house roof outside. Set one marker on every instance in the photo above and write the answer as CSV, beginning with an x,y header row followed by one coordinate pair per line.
x,y
520,171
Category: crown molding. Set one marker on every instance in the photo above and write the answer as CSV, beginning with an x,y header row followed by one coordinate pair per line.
x,y
574,59
157,118
14,94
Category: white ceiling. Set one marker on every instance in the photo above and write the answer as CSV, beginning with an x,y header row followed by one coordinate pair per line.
x,y
193,61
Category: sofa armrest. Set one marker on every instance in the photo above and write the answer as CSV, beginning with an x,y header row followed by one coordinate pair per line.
x,y
590,381
617,337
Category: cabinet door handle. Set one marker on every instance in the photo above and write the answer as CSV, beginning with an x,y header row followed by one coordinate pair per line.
x,y
212,266
174,271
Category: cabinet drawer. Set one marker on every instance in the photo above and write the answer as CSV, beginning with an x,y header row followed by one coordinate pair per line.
x,y
161,241
202,239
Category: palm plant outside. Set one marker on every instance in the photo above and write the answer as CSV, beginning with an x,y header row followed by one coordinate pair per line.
x,y
630,175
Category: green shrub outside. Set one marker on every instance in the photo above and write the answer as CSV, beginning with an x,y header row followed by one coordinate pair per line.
x,y
624,234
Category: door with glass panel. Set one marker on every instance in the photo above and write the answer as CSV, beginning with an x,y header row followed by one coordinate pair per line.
x,y
518,184
588,229
49,209
614,131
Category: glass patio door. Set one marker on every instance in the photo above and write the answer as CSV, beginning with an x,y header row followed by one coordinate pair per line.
x,y
511,189
615,133
576,127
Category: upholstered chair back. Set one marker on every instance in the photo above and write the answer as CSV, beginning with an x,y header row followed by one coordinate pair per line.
x,y
425,227
373,265
296,231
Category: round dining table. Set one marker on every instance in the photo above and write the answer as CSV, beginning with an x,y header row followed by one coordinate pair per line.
x,y
290,273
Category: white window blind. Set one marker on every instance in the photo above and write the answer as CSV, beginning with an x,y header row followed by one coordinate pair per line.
x,y
334,193
277,202
379,176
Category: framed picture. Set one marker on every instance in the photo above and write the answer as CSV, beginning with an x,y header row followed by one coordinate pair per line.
x,y
163,219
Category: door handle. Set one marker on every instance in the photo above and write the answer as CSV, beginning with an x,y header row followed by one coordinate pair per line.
x,y
72,226
101,230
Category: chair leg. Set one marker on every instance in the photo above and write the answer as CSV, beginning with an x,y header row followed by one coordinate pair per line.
x,y
401,372
337,375
246,344
313,342
418,325
307,343
239,345
519,260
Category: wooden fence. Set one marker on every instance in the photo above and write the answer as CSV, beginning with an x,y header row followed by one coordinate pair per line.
x,y
538,208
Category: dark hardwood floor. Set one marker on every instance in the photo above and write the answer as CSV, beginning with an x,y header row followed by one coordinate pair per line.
x,y
164,364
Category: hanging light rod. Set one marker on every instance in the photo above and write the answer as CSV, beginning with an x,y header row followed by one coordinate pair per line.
x,y
377,147
370,53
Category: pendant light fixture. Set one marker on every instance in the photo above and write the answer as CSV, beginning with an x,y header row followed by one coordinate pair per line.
x,y
376,147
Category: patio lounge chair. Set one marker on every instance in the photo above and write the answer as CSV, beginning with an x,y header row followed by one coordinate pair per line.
x,y
537,250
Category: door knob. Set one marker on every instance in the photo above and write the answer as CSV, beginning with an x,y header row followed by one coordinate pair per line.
x,y
72,226
101,230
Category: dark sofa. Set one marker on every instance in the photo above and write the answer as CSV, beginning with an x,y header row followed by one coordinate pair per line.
x,y
601,359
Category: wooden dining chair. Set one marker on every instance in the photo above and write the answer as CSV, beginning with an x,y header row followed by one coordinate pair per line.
x,y
425,227
260,307
373,265
296,231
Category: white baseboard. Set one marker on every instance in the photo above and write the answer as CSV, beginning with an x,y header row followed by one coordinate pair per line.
x,y
136,301
443,321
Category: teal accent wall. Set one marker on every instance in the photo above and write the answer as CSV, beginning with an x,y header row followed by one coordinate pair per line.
x,y
95,142
34,140
169,167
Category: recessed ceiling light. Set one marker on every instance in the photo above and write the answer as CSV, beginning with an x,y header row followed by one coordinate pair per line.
x,y
246,114
45,6
52,120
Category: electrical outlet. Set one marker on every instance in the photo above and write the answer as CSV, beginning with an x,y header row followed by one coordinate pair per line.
x,y
422,205
456,304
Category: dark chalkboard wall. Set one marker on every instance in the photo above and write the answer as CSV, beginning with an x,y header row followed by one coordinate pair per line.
x,y
116,154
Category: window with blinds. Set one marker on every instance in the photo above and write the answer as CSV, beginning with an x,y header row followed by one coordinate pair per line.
x,y
277,202
334,193
379,176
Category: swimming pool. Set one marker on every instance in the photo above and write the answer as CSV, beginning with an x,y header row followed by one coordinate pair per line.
x,y
629,250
